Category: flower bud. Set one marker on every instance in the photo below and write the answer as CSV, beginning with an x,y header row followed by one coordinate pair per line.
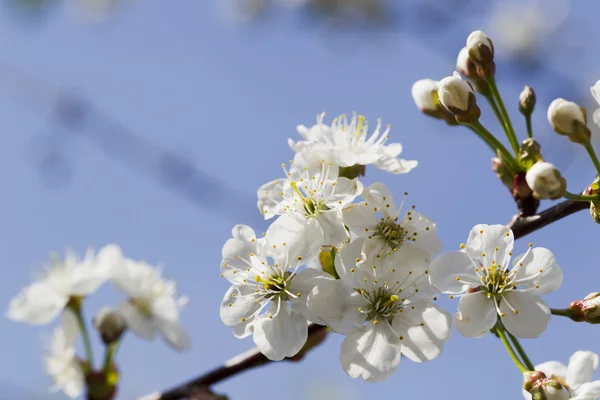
x,y
529,153
457,96
480,47
542,388
545,180
465,65
593,189
527,101
567,118
591,308
110,324
502,173
424,93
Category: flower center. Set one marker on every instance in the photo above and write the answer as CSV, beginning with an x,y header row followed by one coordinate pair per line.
x,y
497,280
393,233
275,285
383,303
143,306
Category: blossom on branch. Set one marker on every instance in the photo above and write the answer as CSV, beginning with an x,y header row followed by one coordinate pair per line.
x,y
44,300
488,287
350,144
312,190
268,293
384,308
384,228
61,361
152,305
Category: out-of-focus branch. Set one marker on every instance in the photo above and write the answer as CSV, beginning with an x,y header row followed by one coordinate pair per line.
x,y
240,363
520,225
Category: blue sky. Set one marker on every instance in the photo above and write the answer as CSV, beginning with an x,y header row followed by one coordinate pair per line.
x,y
224,99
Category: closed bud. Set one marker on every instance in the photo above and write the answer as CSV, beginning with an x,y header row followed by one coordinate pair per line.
x,y
425,96
424,93
591,308
502,173
546,181
110,324
481,51
457,96
593,189
567,118
529,153
465,65
527,101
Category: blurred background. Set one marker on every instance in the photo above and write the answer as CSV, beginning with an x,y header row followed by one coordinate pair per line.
x,y
151,124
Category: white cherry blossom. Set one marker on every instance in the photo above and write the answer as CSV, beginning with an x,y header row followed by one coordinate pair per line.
x,y
488,287
268,296
152,305
577,376
42,301
311,190
351,145
384,309
385,228
61,361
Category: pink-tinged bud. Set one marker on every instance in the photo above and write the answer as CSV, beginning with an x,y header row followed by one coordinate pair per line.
x,y
567,118
546,181
591,308
542,388
575,311
457,96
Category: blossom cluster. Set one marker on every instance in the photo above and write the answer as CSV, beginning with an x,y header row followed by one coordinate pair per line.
x,y
381,292
151,307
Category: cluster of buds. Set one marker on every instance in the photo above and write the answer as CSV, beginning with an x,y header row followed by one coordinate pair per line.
x,y
544,388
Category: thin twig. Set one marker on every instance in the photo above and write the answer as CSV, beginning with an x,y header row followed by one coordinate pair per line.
x,y
520,226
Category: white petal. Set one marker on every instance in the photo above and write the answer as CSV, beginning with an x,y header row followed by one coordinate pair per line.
x,y
379,196
70,326
532,314
136,321
337,304
588,391
596,117
270,200
37,304
345,261
476,315
301,285
281,336
423,342
87,279
238,303
371,352
484,239
109,259
243,232
361,219
409,268
334,231
173,334
582,365
444,270
426,237
294,239
553,368
539,259
344,193
395,165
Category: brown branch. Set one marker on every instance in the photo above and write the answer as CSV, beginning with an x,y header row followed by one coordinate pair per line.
x,y
520,226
